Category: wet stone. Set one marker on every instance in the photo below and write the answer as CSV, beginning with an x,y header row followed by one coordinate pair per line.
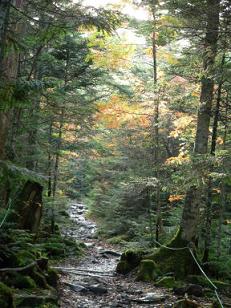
x,y
150,298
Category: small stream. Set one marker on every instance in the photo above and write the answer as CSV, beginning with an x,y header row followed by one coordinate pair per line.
x,y
92,281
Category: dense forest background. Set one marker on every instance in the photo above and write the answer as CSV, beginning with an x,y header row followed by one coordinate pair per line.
x,y
130,115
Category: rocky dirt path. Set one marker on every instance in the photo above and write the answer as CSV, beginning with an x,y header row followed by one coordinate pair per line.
x,y
93,283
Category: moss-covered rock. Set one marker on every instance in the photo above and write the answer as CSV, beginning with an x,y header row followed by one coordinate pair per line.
x,y
166,282
148,271
180,262
6,296
129,260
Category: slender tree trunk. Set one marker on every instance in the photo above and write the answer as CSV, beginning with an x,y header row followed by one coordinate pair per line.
x,y
59,145
57,155
49,167
208,224
56,168
220,222
31,162
217,109
4,20
226,120
4,117
156,124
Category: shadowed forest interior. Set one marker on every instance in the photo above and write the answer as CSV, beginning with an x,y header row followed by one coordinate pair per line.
x,y
115,151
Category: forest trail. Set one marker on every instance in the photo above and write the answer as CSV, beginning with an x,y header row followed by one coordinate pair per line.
x,y
93,282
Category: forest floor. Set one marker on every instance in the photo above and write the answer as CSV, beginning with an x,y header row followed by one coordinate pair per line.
x,y
92,281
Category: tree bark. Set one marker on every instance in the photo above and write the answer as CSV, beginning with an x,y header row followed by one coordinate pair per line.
x,y
49,167
4,20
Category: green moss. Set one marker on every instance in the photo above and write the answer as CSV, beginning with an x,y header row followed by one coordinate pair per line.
x,y
54,249
20,281
6,296
180,262
24,256
166,282
129,260
148,271
133,257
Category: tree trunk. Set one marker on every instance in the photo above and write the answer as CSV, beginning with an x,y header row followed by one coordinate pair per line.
x,y
207,83
31,162
180,260
4,20
220,221
8,68
226,121
217,109
49,167
156,124
208,224
4,123
190,215
56,168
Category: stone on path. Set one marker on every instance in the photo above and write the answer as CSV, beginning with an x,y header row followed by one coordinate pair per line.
x,y
150,298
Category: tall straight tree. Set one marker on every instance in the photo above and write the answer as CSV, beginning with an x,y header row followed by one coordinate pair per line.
x,y
192,203
4,20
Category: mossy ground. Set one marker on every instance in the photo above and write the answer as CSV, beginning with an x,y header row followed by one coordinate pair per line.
x,y
20,248
152,266
6,296
130,259
178,262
